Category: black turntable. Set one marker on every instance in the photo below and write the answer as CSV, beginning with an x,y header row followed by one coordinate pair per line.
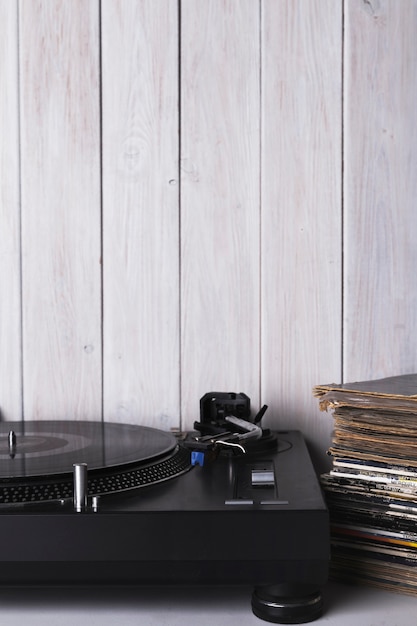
x,y
102,503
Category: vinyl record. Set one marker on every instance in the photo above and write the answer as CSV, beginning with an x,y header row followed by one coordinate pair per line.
x,y
52,447
37,458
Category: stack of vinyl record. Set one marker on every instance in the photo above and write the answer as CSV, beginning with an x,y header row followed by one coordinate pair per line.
x,y
371,490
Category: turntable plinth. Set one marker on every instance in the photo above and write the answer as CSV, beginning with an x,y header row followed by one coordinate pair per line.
x,y
257,519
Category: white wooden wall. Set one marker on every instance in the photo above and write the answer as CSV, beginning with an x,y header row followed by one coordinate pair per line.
x,y
204,195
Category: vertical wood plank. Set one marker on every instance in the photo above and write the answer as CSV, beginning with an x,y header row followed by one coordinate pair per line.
x,y
219,200
301,211
380,189
141,190
10,304
60,146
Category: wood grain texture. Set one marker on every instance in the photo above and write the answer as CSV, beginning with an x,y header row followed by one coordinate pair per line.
x,y
10,304
301,210
60,148
217,132
219,200
141,212
380,190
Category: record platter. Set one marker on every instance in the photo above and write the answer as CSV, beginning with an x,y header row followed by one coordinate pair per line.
x,y
93,503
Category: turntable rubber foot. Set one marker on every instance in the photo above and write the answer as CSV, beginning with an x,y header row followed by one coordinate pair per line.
x,y
283,604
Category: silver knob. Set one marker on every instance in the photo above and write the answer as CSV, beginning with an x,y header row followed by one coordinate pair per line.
x,y
95,502
80,486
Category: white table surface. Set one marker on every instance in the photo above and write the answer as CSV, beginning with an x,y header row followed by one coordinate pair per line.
x,y
346,605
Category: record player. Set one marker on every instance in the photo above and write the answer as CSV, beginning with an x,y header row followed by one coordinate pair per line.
x,y
93,503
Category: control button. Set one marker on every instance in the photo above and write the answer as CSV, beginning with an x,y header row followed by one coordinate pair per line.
x,y
263,478
95,501
273,502
238,502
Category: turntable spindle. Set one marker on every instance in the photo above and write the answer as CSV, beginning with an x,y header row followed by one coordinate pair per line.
x,y
80,486
12,443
